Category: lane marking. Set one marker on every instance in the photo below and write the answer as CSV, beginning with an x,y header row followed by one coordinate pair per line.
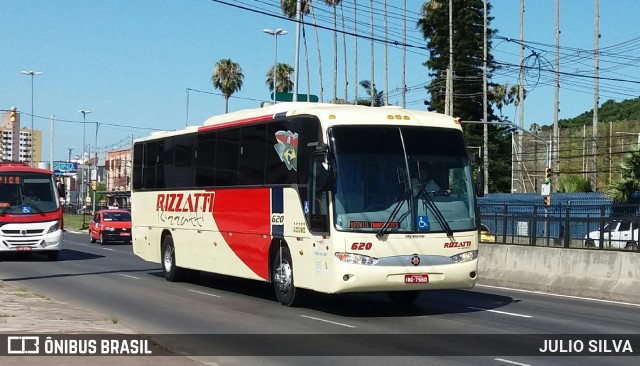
x,y
511,362
500,312
203,293
126,275
108,249
328,321
559,295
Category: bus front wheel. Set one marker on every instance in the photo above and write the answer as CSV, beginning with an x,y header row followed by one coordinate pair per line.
x,y
171,272
282,277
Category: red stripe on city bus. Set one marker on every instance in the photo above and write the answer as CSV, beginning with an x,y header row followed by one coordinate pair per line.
x,y
243,217
33,216
240,122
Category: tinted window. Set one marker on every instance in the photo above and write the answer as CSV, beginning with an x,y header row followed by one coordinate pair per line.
x,y
149,168
226,157
184,154
252,155
137,165
206,162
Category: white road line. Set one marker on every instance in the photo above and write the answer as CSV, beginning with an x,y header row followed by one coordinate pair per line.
x,y
126,275
328,321
511,362
500,312
203,293
558,295
108,249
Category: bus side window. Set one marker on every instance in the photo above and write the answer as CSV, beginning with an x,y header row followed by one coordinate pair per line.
x,y
319,195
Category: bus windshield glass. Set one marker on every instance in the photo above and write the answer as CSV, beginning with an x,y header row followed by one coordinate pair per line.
x,y
27,193
401,180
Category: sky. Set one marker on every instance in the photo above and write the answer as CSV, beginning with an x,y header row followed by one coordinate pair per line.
x,y
145,65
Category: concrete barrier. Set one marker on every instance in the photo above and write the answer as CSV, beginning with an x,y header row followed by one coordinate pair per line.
x,y
598,274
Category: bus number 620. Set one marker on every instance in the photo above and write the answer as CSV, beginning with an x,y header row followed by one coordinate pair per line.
x,y
361,246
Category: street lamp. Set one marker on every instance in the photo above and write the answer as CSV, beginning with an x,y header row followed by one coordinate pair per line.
x,y
276,33
82,188
32,74
95,163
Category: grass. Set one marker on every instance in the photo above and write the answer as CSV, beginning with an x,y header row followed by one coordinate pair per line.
x,y
74,222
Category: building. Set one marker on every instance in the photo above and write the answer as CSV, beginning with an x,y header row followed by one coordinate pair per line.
x,y
118,167
16,143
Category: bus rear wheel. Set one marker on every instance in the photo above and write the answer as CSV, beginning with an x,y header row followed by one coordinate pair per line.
x,y
282,277
403,297
171,272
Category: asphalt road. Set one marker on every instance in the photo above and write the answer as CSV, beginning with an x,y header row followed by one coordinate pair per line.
x,y
112,281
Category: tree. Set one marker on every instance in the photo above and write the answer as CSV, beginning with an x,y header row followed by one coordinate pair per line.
x,y
623,189
284,72
514,95
289,9
467,70
378,96
227,77
498,96
467,54
334,4
573,184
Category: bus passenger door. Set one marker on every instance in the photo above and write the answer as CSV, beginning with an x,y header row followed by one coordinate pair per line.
x,y
319,194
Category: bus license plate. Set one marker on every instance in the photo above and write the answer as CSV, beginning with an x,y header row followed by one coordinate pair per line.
x,y
23,249
413,278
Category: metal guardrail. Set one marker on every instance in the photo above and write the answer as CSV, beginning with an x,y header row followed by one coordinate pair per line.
x,y
559,226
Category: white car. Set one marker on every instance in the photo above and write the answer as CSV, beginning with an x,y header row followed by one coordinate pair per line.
x,y
618,234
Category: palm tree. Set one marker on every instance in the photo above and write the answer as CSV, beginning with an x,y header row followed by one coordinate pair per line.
x,y
514,95
334,4
499,97
227,77
289,9
622,190
284,72
374,94
315,28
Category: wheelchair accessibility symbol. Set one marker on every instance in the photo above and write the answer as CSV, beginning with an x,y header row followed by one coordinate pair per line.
x,y
423,223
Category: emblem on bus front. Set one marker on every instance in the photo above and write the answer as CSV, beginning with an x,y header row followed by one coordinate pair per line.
x,y
415,260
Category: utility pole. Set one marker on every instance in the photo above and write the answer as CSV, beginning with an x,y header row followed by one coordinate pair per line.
x,y
594,145
53,117
404,54
371,62
485,149
355,52
520,170
450,100
555,150
386,64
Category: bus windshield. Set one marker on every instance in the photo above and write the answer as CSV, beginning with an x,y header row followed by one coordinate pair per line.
x,y
27,193
401,180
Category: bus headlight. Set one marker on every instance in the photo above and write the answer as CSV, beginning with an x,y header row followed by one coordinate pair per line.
x,y
357,259
108,228
465,257
55,227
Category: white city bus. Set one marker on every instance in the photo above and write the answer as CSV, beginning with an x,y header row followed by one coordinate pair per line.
x,y
323,197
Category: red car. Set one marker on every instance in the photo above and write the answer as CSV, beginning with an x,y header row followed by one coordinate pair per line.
x,y
110,225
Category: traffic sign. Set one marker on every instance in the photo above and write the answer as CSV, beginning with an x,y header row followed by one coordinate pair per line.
x,y
288,97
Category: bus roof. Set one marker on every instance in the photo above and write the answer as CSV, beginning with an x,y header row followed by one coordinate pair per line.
x,y
328,114
20,167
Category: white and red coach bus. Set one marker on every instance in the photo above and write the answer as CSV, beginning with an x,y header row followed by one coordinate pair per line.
x,y
30,211
323,197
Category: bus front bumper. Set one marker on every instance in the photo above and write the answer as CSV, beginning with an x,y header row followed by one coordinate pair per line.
x,y
367,278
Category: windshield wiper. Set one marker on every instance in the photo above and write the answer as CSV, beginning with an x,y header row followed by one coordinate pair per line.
x,y
385,227
426,197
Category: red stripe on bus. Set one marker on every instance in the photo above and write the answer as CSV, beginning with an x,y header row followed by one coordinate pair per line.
x,y
240,122
33,216
243,217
